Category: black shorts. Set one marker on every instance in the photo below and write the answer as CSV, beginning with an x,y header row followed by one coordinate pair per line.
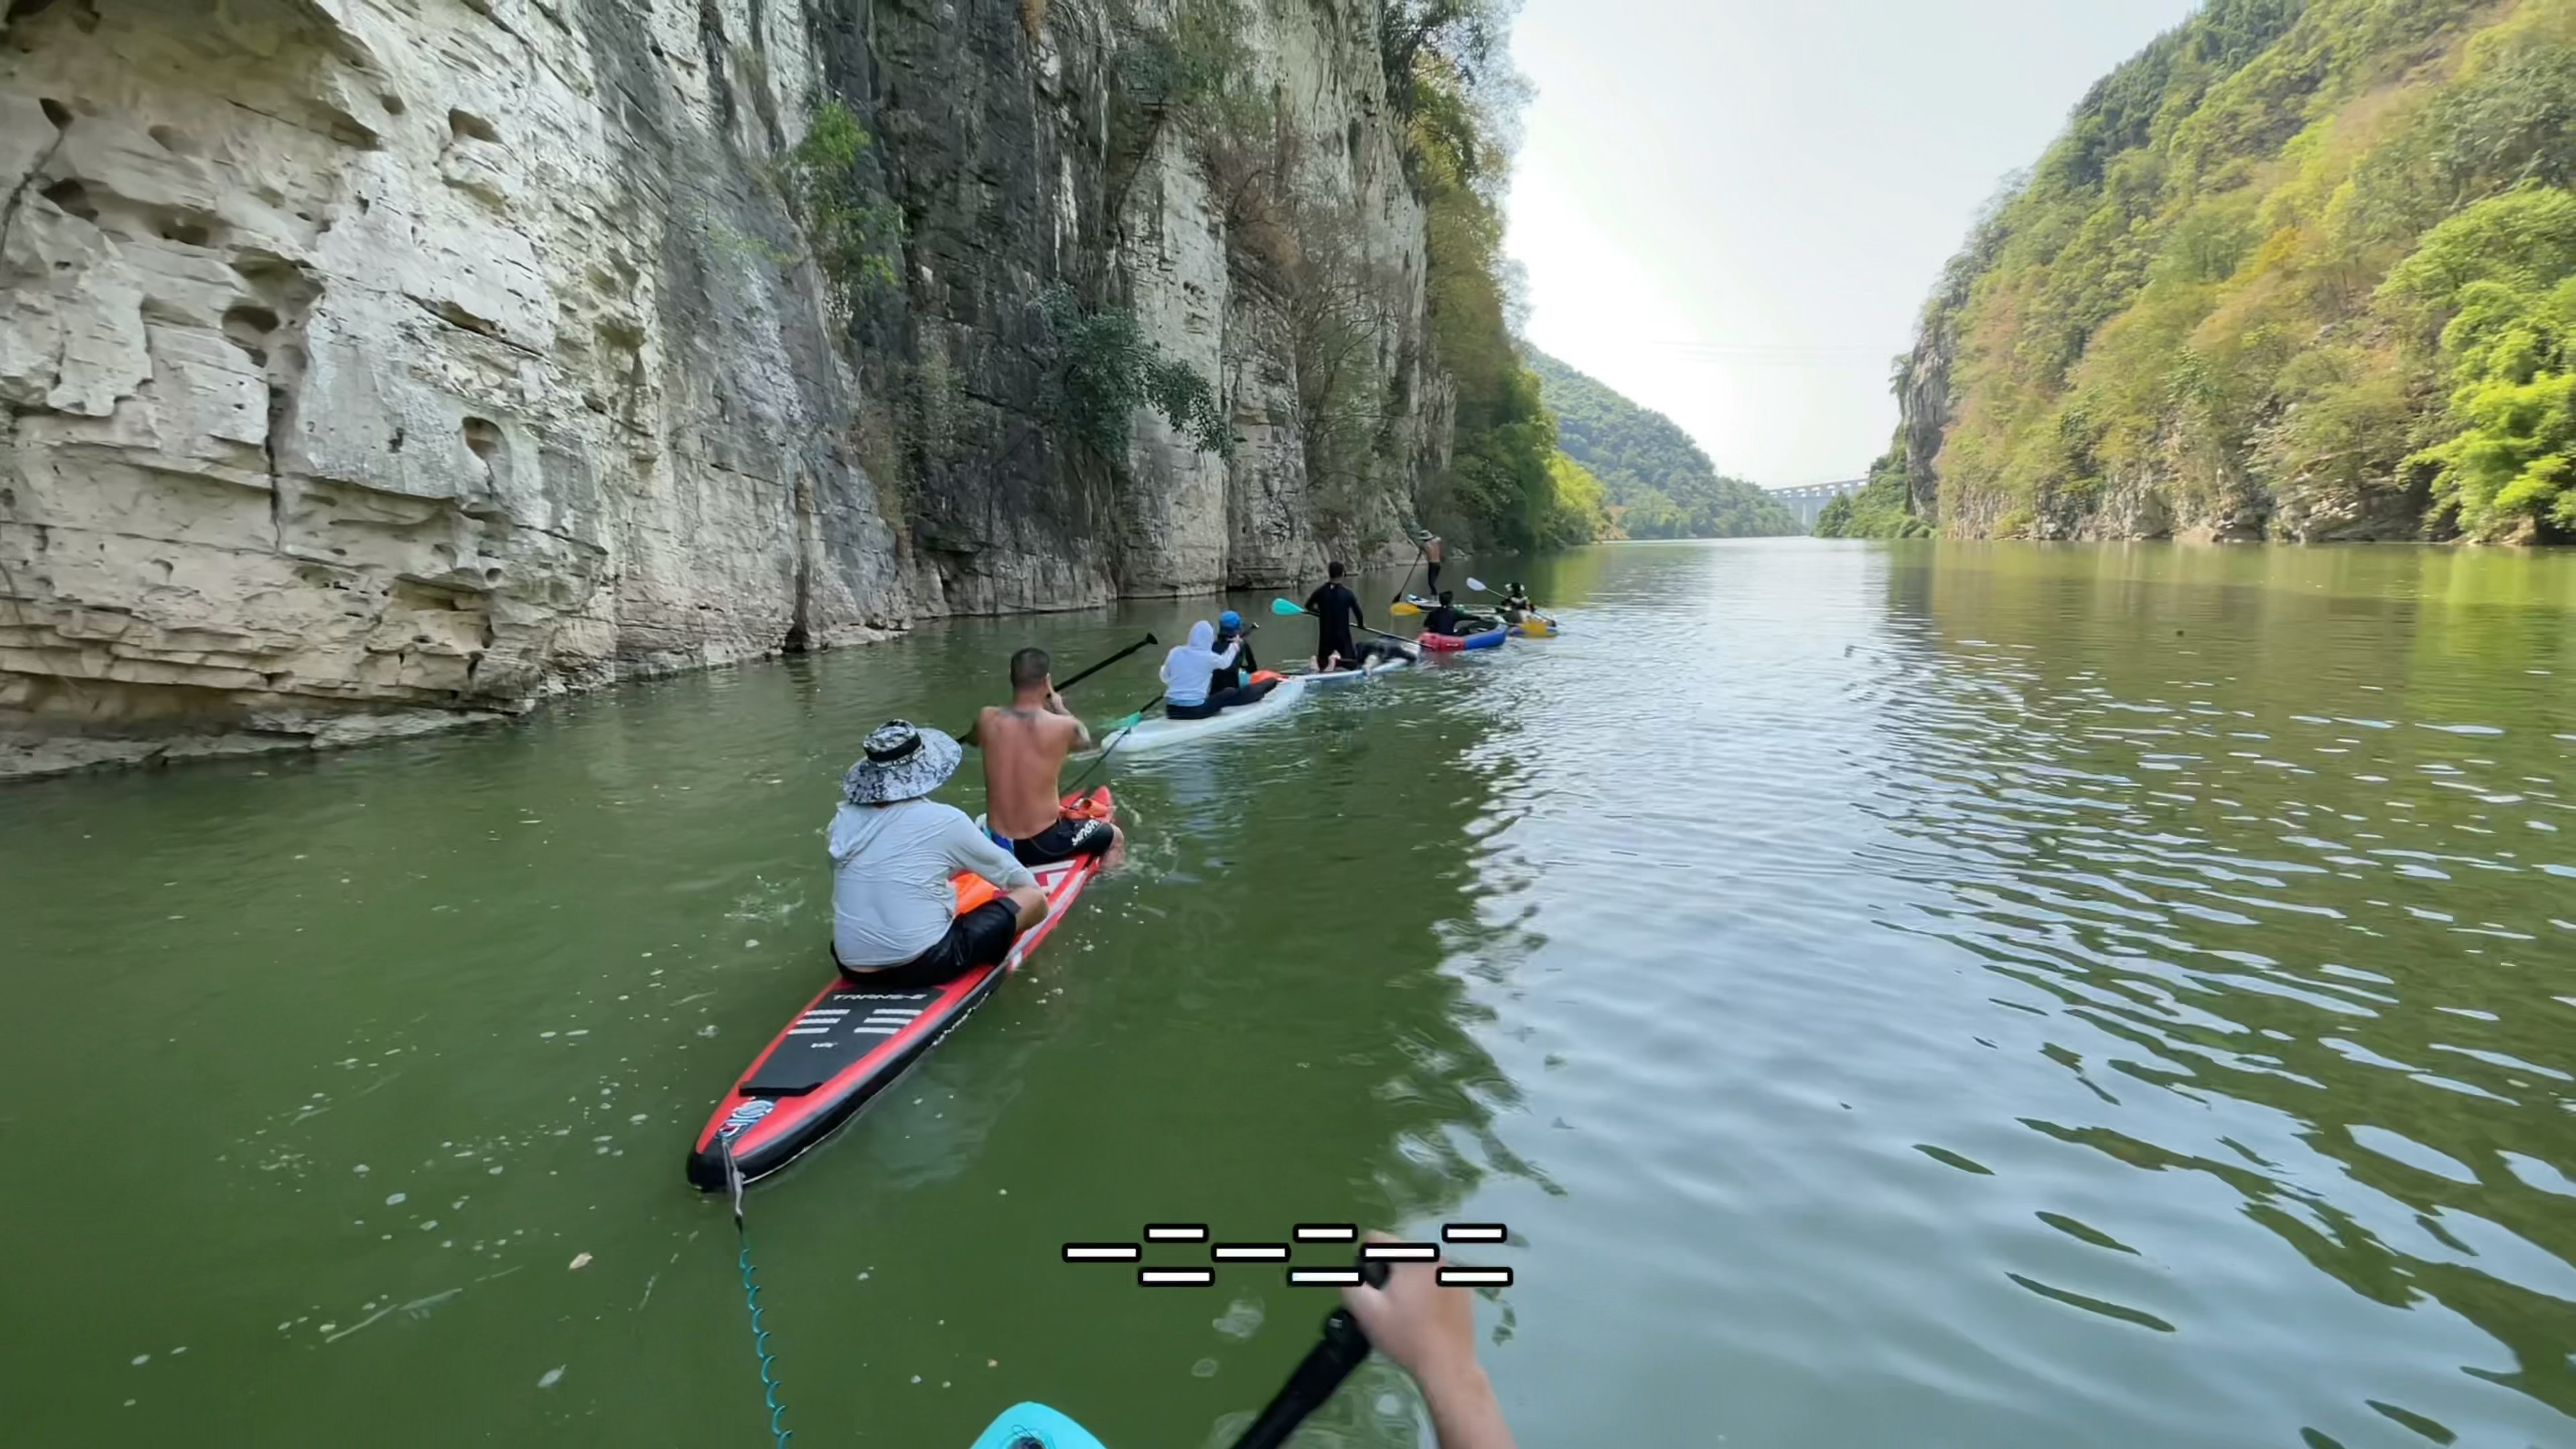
x,y
1065,840
981,937
1221,701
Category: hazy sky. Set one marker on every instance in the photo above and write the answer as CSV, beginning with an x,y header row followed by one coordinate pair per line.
x,y
1732,210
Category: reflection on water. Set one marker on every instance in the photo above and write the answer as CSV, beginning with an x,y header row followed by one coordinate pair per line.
x,y
1923,994
2286,841
445,1015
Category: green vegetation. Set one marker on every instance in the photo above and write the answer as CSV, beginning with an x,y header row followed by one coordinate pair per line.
x,y
1448,68
855,232
1657,481
2300,267
2506,271
1578,508
1106,369
1879,510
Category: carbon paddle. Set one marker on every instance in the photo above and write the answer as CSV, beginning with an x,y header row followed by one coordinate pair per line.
x,y
967,735
1148,642
1288,609
1116,733
1343,1348
1419,546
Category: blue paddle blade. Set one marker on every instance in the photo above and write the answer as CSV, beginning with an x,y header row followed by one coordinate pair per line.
x,y
1285,608
1023,1425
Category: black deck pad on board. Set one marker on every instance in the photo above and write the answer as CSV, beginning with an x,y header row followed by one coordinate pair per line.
x,y
832,1035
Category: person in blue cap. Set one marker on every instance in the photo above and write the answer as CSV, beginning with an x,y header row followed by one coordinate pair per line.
x,y
1204,676
1230,630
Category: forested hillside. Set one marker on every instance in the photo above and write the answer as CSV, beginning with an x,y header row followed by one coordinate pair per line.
x,y
2302,269
1657,482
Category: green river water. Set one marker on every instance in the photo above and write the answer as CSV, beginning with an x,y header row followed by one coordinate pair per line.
x,y
1919,994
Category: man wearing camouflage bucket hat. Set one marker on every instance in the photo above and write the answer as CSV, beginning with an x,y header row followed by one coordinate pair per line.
x,y
894,851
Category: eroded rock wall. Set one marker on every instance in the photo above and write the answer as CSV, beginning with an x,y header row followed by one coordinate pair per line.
x,y
379,356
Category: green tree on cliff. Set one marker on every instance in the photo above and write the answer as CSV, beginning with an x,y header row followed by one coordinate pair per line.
x,y
2246,288
1657,481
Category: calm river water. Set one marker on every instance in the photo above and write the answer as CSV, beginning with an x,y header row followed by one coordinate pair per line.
x,y
1926,995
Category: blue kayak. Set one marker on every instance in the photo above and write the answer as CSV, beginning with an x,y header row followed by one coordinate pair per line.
x,y
1451,643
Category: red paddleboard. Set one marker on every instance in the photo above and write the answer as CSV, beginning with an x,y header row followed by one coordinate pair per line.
x,y
851,1043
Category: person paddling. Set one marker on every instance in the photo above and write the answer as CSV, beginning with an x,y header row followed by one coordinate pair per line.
x,y
1025,743
1432,549
1516,602
1337,612
894,851
1189,670
1230,630
1448,619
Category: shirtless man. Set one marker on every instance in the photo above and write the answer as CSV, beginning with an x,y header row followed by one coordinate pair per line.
x,y
1024,746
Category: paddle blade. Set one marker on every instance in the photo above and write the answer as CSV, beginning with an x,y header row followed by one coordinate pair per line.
x,y
1284,608
1407,609
1478,585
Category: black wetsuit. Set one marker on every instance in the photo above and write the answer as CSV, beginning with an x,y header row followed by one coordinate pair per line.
x,y
1244,666
1450,620
1336,610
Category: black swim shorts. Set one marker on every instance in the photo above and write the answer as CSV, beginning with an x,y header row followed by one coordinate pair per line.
x,y
981,937
1065,840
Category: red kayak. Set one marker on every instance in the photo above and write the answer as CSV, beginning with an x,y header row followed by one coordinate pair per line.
x,y
849,1044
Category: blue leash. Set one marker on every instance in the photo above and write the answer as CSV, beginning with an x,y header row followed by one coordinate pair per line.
x,y
751,1297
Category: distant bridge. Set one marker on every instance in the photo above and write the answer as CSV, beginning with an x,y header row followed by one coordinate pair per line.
x,y
1809,502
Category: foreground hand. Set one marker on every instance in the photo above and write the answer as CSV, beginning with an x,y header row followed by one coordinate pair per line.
x,y
1427,1329
1431,1332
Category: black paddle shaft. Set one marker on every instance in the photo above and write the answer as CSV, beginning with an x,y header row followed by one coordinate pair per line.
x,y
967,735
1145,643
1344,1348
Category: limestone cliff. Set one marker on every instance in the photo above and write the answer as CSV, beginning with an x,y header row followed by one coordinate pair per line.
x,y
364,360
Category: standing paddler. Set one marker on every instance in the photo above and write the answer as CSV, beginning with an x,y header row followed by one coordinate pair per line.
x,y
1337,613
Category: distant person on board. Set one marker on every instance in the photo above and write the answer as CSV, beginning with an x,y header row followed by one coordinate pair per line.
x,y
1188,671
1432,549
1337,613
1230,630
1430,1332
894,851
1449,619
1025,743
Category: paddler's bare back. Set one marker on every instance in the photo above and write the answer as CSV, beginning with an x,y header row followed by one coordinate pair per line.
x,y
1024,753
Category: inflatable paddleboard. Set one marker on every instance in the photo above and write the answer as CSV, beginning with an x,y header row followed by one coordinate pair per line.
x,y
1376,667
850,1042
1035,1426
1450,643
1163,734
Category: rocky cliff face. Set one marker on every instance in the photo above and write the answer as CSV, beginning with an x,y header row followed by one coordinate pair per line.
x,y
362,359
